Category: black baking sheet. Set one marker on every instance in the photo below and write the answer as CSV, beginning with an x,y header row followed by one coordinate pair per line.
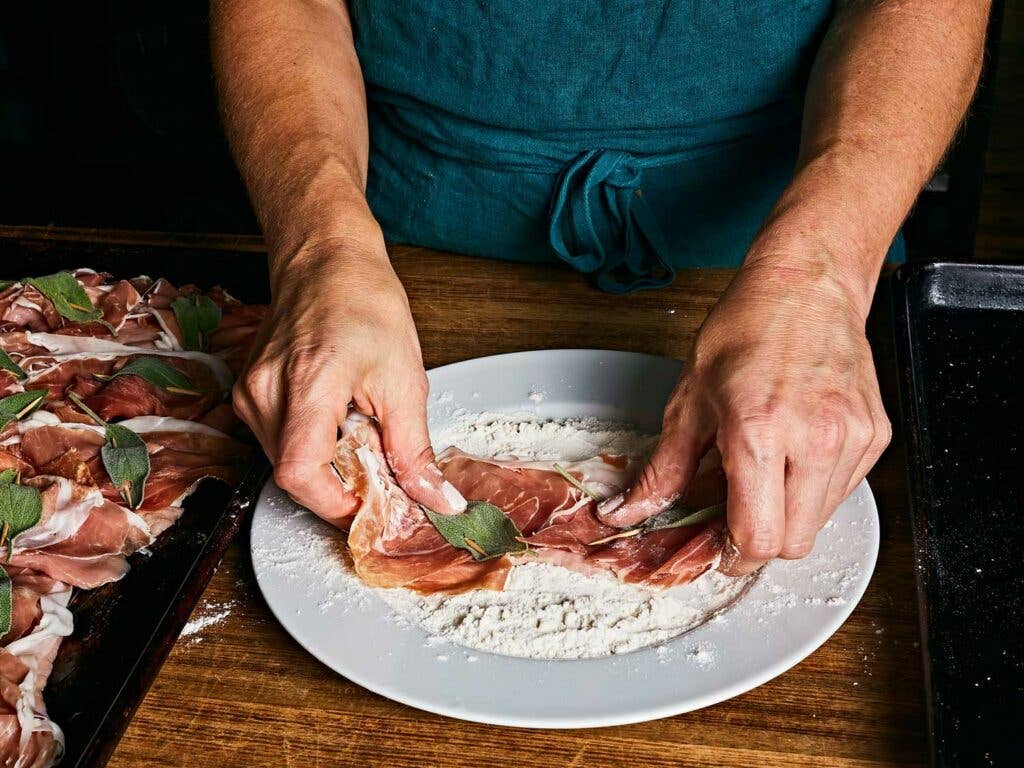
x,y
960,342
124,631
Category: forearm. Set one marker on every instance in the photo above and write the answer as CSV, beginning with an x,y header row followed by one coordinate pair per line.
x,y
888,89
294,108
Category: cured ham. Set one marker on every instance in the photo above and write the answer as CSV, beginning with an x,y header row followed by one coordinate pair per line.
x,y
40,621
393,543
135,313
85,532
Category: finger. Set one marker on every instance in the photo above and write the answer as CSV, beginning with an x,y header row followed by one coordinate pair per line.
x,y
756,506
807,489
661,482
808,479
668,471
260,406
881,436
411,457
307,441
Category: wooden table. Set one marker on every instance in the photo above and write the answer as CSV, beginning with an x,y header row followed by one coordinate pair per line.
x,y
241,692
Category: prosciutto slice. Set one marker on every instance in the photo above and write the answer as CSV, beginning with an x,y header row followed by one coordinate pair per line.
x,y
136,313
40,621
181,454
81,539
85,534
392,542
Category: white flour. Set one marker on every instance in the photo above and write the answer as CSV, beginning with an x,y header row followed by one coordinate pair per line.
x,y
547,612
550,612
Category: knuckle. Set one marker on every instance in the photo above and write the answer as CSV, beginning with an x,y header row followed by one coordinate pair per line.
x,y
291,475
883,433
795,550
758,542
256,381
756,432
827,434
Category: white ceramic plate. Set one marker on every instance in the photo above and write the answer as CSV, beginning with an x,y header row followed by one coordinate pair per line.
x,y
789,612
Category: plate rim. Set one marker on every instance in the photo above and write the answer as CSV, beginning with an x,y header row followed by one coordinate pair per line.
x,y
824,632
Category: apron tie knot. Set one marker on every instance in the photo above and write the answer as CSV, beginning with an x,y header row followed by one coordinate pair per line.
x,y
600,223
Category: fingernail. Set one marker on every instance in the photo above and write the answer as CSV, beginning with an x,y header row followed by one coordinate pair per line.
x,y
610,505
453,497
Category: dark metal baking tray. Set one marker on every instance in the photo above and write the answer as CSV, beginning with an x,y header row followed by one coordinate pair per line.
x,y
960,345
125,630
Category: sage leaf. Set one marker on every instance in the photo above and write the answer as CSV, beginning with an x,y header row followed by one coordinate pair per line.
x,y
576,483
673,517
5,284
68,296
124,455
6,364
6,602
14,407
198,317
483,530
678,517
156,372
21,506
126,459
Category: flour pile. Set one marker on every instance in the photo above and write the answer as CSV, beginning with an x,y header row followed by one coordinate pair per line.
x,y
547,612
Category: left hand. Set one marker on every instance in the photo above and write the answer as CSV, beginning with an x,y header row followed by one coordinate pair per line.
x,y
781,379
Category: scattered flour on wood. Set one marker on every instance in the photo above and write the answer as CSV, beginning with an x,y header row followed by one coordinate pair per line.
x,y
548,612
206,615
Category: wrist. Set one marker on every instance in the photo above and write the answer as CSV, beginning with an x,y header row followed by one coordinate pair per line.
x,y
825,229
330,248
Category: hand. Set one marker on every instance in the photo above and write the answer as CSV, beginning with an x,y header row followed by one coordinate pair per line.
x,y
781,379
339,331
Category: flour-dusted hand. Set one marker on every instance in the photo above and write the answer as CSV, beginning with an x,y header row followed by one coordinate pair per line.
x,y
339,332
782,381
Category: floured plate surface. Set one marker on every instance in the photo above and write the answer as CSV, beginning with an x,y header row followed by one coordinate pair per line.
x,y
784,615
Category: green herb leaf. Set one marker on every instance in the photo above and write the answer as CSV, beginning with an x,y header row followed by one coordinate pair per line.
x,y
21,506
678,517
5,284
673,517
68,296
6,364
156,372
6,602
483,530
125,457
198,317
576,483
14,407
20,509
126,460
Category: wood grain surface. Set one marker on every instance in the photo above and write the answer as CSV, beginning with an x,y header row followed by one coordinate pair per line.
x,y
241,692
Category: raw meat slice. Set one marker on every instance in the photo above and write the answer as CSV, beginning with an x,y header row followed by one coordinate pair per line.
x,y
181,454
82,539
139,312
391,541
394,544
85,533
28,738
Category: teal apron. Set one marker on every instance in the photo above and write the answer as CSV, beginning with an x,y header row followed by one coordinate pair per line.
x,y
626,138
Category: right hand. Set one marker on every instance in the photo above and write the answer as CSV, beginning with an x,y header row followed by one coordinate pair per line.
x,y
339,331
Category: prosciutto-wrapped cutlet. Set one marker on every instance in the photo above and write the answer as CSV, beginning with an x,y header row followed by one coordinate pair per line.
x,y
393,543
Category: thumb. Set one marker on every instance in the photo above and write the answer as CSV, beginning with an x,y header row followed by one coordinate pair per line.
x,y
663,479
411,458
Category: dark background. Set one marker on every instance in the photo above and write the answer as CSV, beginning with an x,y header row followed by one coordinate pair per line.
x,y
108,119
